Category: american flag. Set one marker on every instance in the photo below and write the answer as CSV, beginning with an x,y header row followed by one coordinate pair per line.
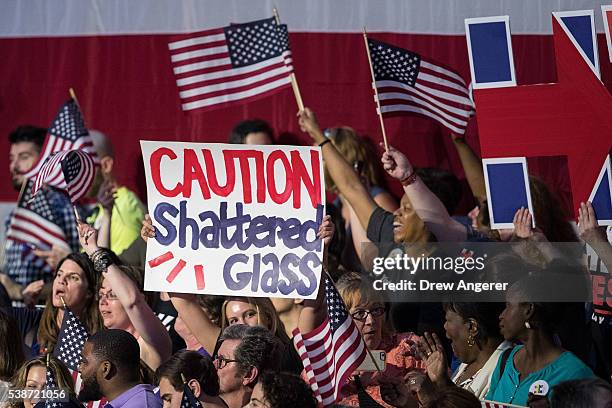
x,y
72,171
33,222
332,351
408,83
493,404
283,33
223,66
189,400
51,384
71,338
67,132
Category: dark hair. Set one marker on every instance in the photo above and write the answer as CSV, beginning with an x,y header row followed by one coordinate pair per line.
x,y
336,247
547,314
192,365
28,133
242,129
285,390
90,315
486,315
120,348
11,347
549,214
258,347
444,184
585,393
454,397
213,305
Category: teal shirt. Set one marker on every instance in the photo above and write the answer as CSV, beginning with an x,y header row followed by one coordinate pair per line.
x,y
506,388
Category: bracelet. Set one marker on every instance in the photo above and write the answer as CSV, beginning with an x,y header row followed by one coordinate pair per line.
x,y
101,260
324,142
410,179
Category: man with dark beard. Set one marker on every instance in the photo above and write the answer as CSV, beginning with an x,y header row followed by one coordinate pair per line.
x,y
110,368
244,353
23,274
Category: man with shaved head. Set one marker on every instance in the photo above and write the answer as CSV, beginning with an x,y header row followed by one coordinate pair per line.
x,y
119,213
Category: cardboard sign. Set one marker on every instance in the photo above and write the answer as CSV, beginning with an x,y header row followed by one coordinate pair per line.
x,y
235,220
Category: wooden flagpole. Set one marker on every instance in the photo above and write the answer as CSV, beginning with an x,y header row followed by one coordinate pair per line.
x,y
382,123
73,96
294,83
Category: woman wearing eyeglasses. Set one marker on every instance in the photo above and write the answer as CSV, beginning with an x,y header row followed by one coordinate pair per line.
x,y
122,304
367,308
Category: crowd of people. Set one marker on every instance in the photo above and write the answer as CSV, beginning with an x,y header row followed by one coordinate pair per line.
x,y
150,349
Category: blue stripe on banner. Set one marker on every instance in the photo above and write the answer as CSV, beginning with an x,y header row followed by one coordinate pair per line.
x,y
490,54
507,188
601,201
580,27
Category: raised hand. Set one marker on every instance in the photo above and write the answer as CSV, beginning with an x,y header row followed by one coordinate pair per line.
x,y
32,292
523,223
309,124
432,352
588,228
148,230
107,194
326,230
88,237
396,164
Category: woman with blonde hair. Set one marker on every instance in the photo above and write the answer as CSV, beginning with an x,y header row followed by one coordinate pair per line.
x,y
367,308
32,376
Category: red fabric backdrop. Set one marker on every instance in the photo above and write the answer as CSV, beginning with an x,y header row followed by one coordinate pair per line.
x,y
126,89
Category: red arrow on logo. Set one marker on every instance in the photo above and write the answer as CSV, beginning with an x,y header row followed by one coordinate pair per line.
x,y
572,118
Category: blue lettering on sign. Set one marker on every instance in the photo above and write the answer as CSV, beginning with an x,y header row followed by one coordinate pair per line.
x,y
261,271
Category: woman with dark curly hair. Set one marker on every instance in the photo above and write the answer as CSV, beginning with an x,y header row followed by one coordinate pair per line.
x,y
281,390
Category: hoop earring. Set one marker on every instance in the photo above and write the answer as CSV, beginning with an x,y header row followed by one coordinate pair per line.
x,y
470,341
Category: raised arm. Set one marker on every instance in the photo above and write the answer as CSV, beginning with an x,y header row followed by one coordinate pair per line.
x,y
427,206
187,306
344,175
472,166
196,319
314,311
593,235
144,320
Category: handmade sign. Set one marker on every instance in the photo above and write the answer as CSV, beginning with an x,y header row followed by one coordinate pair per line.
x,y
568,118
236,220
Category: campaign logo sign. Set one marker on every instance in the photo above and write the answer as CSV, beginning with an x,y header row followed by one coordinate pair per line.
x,y
507,184
490,52
580,29
568,118
236,220
601,196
